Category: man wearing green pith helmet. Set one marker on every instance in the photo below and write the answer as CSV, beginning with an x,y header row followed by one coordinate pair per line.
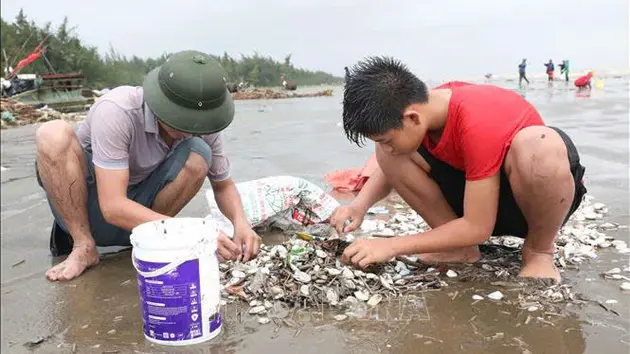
x,y
141,155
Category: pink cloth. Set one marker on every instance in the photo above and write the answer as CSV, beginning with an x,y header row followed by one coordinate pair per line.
x,y
352,179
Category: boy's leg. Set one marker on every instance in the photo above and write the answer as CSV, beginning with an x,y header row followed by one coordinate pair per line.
x,y
432,190
62,170
546,179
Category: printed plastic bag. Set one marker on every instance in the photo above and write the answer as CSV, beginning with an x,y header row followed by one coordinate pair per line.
x,y
281,201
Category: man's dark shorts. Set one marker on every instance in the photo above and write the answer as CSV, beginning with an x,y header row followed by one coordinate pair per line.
x,y
510,219
143,193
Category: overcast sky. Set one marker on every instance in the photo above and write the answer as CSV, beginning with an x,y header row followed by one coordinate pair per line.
x,y
437,39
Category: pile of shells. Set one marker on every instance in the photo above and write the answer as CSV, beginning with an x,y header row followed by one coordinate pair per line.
x,y
299,273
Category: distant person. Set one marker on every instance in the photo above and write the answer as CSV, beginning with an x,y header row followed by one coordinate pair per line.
x,y
584,82
564,69
472,160
141,155
550,69
522,67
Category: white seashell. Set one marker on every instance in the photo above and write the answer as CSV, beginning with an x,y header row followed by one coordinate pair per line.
x,y
340,317
257,310
348,283
611,301
316,268
477,297
400,281
321,254
598,206
614,271
347,273
375,299
263,320
267,304
305,290
302,277
333,271
238,274
451,273
387,282
255,303
371,276
387,232
497,295
358,273
532,308
332,296
362,295
404,272
625,285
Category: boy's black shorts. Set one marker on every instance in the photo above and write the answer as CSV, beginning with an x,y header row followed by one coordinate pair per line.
x,y
510,219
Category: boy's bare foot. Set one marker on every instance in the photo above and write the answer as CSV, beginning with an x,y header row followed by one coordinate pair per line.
x,y
82,257
462,255
538,265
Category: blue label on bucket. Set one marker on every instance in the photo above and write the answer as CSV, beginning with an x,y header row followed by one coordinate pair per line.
x,y
171,303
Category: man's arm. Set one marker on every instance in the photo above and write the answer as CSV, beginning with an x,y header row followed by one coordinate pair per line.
x,y
117,209
481,200
229,201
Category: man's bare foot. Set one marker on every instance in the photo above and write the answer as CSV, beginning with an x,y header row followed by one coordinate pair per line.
x,y
538,265
462,255
82,257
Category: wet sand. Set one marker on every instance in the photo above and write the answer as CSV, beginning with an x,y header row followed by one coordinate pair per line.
x,y
301,137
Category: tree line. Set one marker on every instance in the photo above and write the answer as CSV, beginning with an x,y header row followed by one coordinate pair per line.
x,y
65,52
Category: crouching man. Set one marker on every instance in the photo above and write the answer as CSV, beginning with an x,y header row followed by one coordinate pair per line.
x,y
141,155
472,160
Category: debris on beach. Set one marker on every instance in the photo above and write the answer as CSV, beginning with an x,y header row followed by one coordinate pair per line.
x,y
269,94
18,114
305,271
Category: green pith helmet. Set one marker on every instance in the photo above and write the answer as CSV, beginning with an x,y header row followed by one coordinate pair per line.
x,y
188,93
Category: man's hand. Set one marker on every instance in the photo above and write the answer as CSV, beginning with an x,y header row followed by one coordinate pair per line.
x,y
227,250
247,241
347,212
362,253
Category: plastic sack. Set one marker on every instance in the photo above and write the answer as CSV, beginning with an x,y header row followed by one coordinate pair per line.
x,y
279,201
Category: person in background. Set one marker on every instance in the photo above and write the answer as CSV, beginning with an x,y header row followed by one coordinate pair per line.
x,y
550,69
564,69
584,82
521,72
141,155
472,160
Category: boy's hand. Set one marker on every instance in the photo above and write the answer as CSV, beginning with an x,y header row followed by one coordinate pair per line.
x,y
348,212
227,250
362,253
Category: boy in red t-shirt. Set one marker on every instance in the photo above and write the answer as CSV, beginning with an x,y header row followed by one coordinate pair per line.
x,y
472,160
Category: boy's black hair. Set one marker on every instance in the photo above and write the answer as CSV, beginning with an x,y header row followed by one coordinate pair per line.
x,y
376,92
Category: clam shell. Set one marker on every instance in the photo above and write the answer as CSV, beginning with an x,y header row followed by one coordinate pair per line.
x,y
257,310
302,277
333,271
375,299
362,295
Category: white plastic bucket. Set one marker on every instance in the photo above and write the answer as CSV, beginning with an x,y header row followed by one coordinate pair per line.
x,y
178,280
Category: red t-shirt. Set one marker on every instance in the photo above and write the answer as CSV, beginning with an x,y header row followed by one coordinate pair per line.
x,y
582,80
482,121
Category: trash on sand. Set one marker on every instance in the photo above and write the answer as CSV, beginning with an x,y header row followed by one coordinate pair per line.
x,y
279,273
17,114
280,202
18,263
269,94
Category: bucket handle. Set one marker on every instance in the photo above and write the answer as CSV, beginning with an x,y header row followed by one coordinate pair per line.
x,y
167,268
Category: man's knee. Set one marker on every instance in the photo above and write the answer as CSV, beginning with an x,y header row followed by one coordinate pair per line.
x,y
54,138
538,154
196,166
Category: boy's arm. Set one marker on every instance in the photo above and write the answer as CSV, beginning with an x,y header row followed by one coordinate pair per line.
x,y
481,201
